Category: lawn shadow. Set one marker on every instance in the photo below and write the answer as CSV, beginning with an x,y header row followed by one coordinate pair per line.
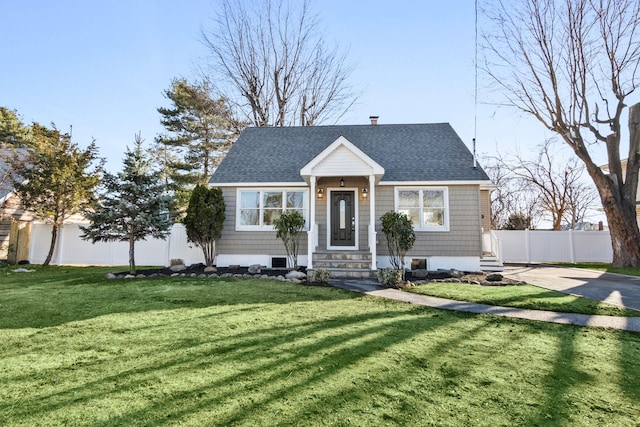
x,y
65,300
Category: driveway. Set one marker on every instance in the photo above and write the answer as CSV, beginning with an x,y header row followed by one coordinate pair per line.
x,y
615,289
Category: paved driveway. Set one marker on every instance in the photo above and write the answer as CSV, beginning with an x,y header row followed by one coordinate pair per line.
x,y
611,288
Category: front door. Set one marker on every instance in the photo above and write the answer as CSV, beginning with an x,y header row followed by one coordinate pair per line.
x,y
343,218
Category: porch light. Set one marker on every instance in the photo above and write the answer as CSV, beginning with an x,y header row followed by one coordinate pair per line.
x,y
365,192
320,193
341,182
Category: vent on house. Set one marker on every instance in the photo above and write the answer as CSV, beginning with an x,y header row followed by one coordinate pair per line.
x,y
278,262
418,263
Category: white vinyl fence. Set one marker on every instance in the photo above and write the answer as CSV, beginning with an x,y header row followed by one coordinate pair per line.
x,y
72,250
554,246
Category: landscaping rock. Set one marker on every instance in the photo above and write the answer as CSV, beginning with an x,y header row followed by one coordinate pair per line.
x,y
140,276
280,278
175,275
193,275
456,273
255,269
130,276
295,275
210,269
494,277
178,267
202,275
22,270
419,273
110,276
214,275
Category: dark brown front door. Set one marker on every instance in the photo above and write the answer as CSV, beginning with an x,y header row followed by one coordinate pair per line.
x,y
343,218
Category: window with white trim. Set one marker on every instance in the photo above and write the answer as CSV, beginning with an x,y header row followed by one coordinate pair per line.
x,y
257,209
428,207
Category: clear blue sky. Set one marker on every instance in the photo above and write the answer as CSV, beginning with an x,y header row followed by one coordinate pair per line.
x,y
102,66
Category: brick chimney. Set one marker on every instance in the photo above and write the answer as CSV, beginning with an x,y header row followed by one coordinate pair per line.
x,y
374,120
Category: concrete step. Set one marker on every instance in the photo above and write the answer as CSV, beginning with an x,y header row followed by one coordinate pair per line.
x,y
338,263
491,263
350,273
342,255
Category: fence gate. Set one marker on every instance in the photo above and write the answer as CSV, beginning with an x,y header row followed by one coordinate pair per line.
x,y
19,236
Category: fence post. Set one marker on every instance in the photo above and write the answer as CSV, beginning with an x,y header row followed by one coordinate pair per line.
x,y
60,244
572,249
527,240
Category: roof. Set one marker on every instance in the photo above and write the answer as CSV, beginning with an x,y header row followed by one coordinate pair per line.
x,y
407,152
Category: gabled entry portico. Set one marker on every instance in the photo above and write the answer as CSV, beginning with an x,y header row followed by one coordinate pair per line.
x,y
338,206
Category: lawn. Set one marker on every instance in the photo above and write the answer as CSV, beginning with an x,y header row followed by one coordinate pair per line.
x,y
80,350
601,266
521,296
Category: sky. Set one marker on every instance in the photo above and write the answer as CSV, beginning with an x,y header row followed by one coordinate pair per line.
x,y
102,67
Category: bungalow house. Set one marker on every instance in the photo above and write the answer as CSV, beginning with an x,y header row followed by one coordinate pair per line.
x,y
343,179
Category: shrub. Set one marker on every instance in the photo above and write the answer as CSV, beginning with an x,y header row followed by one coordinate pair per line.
x,y
288,228
319,276
389,277
398,230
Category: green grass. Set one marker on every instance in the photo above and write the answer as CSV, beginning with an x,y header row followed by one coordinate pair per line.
x,y
521,296
79,350
601,266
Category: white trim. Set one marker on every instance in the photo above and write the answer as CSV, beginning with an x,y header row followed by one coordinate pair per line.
x,y
431,183
357,236
307,170
245,260
305,204
258,184
462,263
417,227
6,197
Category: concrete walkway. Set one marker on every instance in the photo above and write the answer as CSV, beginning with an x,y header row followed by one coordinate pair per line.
x,y
370,287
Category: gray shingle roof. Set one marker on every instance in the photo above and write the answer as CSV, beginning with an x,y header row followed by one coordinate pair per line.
x,y
407,152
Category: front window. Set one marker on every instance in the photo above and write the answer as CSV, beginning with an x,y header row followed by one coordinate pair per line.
x,y
427,207
257,209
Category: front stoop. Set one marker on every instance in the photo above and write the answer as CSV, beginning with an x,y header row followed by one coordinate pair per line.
x,y
345,264
490,263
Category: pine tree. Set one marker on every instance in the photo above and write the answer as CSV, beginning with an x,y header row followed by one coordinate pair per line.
x,y
13,132
200,131
132,206
204,219
55,178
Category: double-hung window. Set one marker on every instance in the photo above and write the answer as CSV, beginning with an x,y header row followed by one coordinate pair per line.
x,y
428,207
257,209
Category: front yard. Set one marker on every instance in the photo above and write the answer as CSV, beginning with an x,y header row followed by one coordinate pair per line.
x,y
80,350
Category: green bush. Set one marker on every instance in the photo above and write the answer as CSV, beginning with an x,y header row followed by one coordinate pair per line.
x,y
319,276
288,228
398,229
390,277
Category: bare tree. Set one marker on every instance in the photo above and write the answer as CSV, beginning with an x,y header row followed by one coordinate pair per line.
x,y
270,59
510,196
561,194
572,64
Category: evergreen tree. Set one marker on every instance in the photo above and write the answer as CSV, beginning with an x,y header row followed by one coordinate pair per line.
x,y
204,219
55,178
200,131
132,206
13,132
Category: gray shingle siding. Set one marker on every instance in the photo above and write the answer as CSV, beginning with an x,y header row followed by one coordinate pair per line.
x,y
407,152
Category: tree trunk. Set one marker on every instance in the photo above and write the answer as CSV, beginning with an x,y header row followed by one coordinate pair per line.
x,y
623,227
132,261
54,238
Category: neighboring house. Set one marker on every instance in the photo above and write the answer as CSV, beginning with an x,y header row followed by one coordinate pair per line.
x,y
10,210
343,179
623,162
